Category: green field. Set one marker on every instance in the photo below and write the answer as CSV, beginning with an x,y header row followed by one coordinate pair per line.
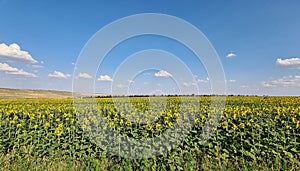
x,y
254,133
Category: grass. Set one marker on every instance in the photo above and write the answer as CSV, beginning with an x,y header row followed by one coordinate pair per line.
x,y
13,163
6,93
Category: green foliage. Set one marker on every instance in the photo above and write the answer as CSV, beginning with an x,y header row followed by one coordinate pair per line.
x,y
254,133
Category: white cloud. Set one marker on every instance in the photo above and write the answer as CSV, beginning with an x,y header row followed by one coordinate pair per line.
x,y
37,66
231,81
163,73
23,73
292,63
14,52
130,81
267,85
15,71
6,67
84,75
286,81
105,78
156,92
58,74
231,55
121,86
189,84
203,81
244,86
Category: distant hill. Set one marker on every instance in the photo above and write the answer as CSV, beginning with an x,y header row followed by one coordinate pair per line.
x,y
7,93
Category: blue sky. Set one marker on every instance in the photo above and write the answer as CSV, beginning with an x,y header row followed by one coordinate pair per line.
x,y
261,39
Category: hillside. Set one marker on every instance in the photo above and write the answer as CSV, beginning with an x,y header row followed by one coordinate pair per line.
x,y
6,93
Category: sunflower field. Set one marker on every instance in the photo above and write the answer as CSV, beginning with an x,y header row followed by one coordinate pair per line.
x,y
251,133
